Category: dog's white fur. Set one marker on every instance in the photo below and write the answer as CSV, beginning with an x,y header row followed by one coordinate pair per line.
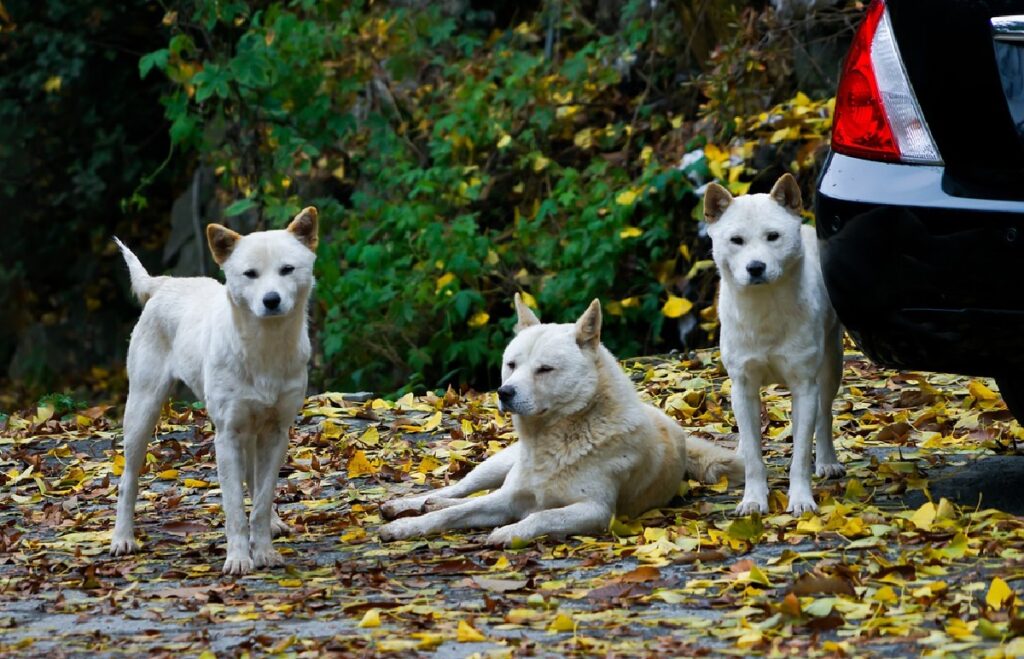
x,y
588,446
777,325
241,353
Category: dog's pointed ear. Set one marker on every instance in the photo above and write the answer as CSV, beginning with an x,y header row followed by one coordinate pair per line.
x,y
716,200
588,327
304,228
524,315
222,241
786,192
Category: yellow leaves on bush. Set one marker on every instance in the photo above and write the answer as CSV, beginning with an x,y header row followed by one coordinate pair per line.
x,y
52,84
676,306
479,319
626,197
504,141
443,281
631,232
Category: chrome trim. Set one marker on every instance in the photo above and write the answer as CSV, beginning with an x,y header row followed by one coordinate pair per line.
x,y
1008,28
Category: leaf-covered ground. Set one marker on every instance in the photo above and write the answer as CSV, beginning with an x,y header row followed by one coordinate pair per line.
x,y
880,570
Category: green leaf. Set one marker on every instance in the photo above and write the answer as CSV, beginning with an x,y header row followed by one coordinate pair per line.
x,y
239,207
157,58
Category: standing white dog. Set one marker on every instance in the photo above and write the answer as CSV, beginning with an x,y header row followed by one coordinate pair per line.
x,y
588,446
243,349
777,325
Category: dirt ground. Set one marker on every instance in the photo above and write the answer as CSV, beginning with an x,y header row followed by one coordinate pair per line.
x,y
918,550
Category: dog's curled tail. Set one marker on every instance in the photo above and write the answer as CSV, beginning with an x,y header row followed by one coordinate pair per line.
x,y
143,284
708,462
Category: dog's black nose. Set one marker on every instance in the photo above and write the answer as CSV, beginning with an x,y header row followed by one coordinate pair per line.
x,y
506,393
756,268
271,300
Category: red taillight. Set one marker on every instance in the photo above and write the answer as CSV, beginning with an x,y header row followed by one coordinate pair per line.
x,y
877,115
860,127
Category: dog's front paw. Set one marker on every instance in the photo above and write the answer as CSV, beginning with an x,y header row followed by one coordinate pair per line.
x,y
237,564
830,470
266,557
122,546
505,536
400,529
751,506
393,509
800,503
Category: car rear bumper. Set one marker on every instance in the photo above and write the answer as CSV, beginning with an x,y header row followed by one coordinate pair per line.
x,y
922,278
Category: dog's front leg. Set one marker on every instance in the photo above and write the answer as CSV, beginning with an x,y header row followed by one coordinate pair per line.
x,y
746,405
487,475
268,456
230,472
489,510
805,411
575,519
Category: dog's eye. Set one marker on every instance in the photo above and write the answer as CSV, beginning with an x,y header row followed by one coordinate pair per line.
x,y
772,236
736,240
544,369
511,366
251,274
287,270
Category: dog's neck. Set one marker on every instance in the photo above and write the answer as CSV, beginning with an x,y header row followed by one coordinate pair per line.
x,y
573,431
273,342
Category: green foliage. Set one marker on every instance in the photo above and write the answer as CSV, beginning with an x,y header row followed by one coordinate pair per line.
x,y
454,165
61,403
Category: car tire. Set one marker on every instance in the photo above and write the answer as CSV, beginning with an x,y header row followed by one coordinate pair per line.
x,y
1012,391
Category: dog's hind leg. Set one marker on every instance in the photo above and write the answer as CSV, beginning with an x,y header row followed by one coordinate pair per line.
x,y
575,519
145,398
826,463
487,475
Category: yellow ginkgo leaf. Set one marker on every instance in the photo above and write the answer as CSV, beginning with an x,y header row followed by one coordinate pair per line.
x,y
999,593
980,391
676,307
370,619
562,623
358,465
467,634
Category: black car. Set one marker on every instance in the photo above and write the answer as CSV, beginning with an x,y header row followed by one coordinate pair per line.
x,y
920,206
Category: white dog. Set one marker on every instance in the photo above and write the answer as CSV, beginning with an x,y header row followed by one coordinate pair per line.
x,y
588,446
242,348
777,325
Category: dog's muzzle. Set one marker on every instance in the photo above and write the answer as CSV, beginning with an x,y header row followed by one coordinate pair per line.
x,y
506,395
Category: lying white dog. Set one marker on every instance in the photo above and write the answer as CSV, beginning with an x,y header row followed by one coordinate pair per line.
x,y
777,325
243,349
588,446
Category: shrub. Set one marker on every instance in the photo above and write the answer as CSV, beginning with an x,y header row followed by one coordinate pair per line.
x,y
457,161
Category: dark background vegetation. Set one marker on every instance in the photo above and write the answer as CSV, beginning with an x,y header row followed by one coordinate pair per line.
x,y
460,151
